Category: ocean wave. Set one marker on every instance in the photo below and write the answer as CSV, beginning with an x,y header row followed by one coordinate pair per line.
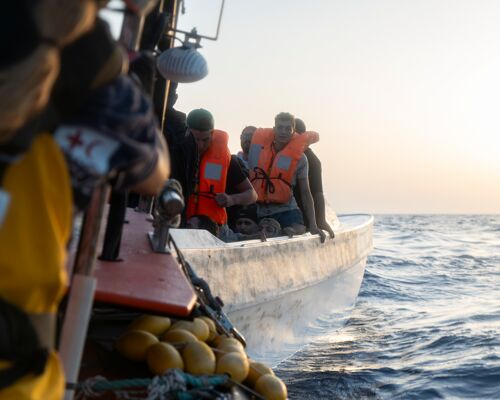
x,y
427,321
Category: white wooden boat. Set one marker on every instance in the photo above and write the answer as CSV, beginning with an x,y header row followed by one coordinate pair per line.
x,y
274,291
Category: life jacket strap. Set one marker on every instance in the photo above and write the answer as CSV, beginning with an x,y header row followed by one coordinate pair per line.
x,y
284,181
209,195
268,180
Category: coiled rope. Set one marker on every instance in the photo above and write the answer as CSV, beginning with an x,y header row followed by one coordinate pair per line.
x,y
174,384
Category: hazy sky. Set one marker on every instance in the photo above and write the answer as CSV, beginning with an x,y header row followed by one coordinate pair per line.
x,y
404,93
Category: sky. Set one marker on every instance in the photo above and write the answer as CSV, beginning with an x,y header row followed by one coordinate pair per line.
x,y
404,93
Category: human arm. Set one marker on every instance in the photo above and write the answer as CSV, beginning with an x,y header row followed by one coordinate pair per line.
x,y
132,120
114,137
319,204
293,230
153,183
259,235
316,187
308,203
239,190
246,195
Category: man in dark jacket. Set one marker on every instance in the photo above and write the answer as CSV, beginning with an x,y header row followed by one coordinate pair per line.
x,y
315,184
185,153
181,145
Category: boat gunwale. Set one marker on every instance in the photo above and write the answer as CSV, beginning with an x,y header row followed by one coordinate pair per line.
x,y
282,246
284,239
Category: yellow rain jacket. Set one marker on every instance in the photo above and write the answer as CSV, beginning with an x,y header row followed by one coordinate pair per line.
x,y
33,240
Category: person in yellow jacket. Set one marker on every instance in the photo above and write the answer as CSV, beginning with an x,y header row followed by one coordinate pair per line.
x,y
36,202
35,195
33,237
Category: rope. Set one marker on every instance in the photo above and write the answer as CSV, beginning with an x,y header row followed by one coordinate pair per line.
x,y
205,394
160,387
261,174
208,195
89,387
166,383
268,183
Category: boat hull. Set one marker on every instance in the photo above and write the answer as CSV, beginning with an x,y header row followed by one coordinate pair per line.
x,y
275,290
278,328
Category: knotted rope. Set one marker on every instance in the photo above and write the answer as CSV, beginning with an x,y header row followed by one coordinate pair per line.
x,y
173,384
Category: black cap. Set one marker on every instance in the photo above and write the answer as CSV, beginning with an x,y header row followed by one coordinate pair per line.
x,y
200,119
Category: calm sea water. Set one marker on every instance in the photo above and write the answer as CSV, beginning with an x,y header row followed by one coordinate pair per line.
x,y
427,321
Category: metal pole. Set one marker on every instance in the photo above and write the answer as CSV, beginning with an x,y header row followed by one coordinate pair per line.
x,y
81,295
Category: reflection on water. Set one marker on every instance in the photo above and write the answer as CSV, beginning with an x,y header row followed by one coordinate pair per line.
x,y
427,321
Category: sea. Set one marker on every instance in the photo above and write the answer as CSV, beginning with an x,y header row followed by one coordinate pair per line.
x,y
426,324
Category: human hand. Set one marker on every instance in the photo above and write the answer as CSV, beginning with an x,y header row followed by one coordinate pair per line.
x,y
316,231
289,231
223,200
326,227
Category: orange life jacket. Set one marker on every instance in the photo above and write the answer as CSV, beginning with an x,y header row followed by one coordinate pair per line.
x,y
212,176
272,173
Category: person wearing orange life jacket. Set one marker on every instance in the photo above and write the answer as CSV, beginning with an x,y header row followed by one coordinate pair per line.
x,y
277,164
216,172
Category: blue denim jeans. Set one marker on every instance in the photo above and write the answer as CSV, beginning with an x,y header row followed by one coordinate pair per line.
x,y
288,218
